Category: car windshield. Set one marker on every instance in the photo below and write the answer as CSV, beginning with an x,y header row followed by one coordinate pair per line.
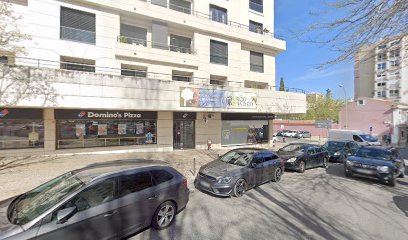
x,y
293,148
369,138
378,154
34,203
238,157
334,145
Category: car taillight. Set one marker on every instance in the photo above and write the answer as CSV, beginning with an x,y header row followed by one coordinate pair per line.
x,y
185,183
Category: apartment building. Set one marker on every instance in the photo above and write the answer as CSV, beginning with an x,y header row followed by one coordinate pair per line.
x,y
381,71
162,74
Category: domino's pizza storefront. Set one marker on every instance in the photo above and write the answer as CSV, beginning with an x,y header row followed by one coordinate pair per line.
x,y
100,128
21,128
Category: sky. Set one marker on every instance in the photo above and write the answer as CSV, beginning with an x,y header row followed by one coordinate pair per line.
x,y
297,65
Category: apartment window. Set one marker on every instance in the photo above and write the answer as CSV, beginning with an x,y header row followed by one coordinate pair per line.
x,y
256,62
394,63
394,93
162,3
4,60
181,6
381,84
381,66
77,64
395,53
395,43
257,85
395,74
218,14
218,52
381,56
382,94
134,71
180,44
77,25
381,75
256,5
255,27
218,80
133,35
181,76
382,46
360,102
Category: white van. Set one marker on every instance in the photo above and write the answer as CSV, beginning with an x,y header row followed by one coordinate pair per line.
x,y
360,137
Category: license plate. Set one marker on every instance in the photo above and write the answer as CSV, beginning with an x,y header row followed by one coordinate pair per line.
x,y
205,184
365,171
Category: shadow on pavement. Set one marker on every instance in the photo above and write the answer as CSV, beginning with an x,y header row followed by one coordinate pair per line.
x,y
402,203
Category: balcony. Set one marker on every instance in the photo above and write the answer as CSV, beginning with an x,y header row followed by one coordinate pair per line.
x,y
78,35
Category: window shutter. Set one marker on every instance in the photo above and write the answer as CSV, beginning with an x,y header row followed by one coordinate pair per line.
x,y
219,52
77,19
256,61
162,3
160,31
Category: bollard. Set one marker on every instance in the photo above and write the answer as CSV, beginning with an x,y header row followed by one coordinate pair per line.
x,y
194,166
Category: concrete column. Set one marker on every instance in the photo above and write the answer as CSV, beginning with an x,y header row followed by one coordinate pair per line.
x,y
50,130
208,131
165,128
270,133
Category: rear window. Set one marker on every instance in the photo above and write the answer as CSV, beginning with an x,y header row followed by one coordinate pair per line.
x,y
133,183
161,176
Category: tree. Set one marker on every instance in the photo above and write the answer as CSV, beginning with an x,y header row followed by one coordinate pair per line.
x,y
361,22
282,85
328,95
19,83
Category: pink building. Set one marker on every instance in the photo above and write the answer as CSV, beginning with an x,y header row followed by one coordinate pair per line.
x,y
301,125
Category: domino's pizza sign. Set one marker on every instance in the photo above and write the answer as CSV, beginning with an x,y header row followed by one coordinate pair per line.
x,y
4,113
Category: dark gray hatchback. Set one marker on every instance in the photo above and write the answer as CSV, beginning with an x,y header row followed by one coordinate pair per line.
x,y
109,200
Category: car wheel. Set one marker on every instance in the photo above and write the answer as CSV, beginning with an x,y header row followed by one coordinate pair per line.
x,y
391,181
324,164
302,166
240,187
164,215
277,175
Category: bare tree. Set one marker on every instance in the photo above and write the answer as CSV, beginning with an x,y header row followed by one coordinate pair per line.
x,y
361,22
18,83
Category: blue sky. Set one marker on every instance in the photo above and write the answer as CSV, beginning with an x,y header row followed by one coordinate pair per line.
x,y
297,65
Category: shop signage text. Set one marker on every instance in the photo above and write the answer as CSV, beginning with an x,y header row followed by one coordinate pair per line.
x,y
20,113
101,114
247,116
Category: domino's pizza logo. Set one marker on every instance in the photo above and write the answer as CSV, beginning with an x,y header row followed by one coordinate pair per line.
x,y
82,114
4,112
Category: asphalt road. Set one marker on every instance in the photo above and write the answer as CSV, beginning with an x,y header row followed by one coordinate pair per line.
x,y
319,204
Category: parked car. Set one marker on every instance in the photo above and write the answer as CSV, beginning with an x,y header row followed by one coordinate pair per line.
x,y
289,133
109,200
301,156
280,133
361,138
376,162
302,134
239,170
339,150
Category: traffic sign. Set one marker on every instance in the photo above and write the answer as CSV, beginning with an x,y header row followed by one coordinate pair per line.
x,y
323,123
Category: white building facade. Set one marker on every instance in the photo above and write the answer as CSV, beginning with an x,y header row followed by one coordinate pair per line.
x,y
159,74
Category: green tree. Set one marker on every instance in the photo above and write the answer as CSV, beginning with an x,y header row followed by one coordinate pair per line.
x,y
328,95
282,85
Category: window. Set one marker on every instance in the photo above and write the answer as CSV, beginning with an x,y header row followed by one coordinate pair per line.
x,y
133,35
394,93
134,71
357,138
256,85
30,133
134,183
161,176
257,159
77,64
181,76
381,84
269,156
162,3
218,52
77,25
381,56
311,150
395,43
218,80
181,6
360,102
381,94
256,62
395,53
93,196
381,75
180,44
381,66
394,63
218,14
255,27
382,46
4,60
256,5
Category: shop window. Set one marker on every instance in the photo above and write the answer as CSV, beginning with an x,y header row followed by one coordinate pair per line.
x,y
77,64
77,25
21,134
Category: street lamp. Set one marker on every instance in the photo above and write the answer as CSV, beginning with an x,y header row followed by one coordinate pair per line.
x,y
345,102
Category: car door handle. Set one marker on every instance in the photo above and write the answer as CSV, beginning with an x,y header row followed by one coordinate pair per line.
x,y
152,197
111,213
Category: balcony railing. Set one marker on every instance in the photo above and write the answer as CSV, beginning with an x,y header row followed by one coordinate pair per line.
x,y
74,34
209,17
143,42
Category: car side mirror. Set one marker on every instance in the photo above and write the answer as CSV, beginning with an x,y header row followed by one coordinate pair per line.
x,y
64,214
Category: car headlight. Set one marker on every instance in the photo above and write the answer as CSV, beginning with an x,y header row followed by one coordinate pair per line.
x,y
383,168
291,159
349,163
224,180
336,153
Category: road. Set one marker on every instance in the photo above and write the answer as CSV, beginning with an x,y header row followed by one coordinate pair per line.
x,y
319,204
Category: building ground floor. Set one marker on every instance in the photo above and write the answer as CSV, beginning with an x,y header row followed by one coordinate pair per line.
x,y
54,129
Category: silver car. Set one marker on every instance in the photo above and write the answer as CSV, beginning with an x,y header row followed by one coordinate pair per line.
x,y
109,200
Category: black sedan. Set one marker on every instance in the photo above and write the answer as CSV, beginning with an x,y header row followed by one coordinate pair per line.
x,y
301,156
339,150
376,162
239,170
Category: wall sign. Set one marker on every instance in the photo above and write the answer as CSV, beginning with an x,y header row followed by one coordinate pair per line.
x,y
20,113
247,116
184,115
103,114
210,98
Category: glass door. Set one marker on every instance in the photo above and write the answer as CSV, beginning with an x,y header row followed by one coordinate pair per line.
x,y
183,134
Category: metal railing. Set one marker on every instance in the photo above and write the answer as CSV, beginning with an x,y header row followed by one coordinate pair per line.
x,y
41,63
210,17
150,44
78,35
